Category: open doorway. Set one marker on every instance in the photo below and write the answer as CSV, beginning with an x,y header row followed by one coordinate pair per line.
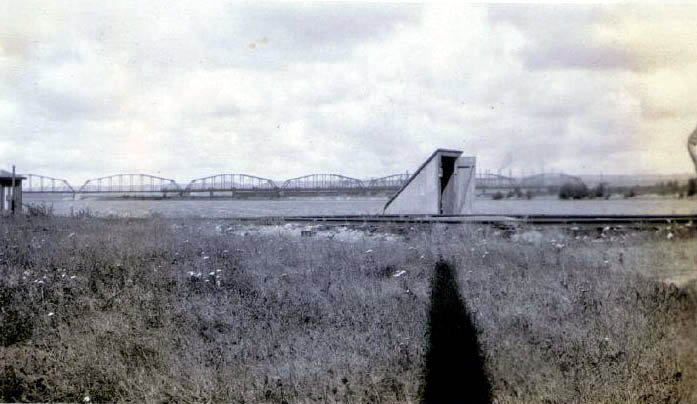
x,y
446,198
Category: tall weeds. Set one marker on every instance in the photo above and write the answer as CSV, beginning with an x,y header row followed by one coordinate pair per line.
x,y
157,310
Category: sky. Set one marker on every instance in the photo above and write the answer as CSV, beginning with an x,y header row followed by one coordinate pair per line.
x,y
279,90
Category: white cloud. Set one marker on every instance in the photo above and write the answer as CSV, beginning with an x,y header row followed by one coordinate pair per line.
x,y
363,90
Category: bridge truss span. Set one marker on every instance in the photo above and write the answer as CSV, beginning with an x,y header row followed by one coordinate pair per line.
x,y
389,182
130,183
550,180
495,181
232,183
331,183
41,184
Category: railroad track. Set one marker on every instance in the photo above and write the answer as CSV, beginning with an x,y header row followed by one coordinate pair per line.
x,y
492,219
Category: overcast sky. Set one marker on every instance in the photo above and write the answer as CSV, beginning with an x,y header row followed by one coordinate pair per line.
x,y
279,90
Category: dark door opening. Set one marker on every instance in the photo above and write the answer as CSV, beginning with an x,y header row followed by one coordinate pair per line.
x,y
447,185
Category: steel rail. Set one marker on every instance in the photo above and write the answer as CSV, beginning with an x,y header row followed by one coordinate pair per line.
x,y
542,219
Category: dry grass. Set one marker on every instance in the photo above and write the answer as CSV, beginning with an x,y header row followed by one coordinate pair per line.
x,y
273,318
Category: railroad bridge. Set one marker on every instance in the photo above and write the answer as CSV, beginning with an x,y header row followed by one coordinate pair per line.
x,y
246,185
234,184
130,184
231,185
538,183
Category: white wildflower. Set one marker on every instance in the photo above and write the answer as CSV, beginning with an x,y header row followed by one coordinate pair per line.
x,y
368,251
50,314
400,273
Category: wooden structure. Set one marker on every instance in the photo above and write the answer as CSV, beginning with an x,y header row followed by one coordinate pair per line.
x,y
443,185
10,192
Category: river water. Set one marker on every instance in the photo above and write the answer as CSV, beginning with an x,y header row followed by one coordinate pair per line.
x,y
227,208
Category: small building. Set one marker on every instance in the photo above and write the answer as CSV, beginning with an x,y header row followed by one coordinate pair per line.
x,y
8,194
443,185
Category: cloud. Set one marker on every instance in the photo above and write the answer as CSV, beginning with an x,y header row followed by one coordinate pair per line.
x,y
636,37
364,90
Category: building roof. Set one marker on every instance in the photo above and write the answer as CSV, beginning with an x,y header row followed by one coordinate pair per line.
x,y
8,175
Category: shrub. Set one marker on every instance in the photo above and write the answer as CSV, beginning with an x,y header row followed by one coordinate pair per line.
x,y
40,210
498,195
82,213
692,186
573,191
601,190
15,318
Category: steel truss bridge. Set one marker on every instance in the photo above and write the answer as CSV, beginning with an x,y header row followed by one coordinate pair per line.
x,y
322,184
388,183
130,183
41,184
242,185
235,185
495,182
488,182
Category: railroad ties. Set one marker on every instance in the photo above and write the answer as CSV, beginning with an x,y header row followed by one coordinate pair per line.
x,y
497,220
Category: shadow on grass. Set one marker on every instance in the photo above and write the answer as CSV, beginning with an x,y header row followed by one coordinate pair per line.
x,y
454,367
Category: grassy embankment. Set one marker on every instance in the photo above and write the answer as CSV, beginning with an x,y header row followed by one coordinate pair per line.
x,y
117,310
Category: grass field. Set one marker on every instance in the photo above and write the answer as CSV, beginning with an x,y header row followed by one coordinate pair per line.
x,y
158,310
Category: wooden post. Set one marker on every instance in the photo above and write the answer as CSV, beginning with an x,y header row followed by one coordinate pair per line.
x,y
13,191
